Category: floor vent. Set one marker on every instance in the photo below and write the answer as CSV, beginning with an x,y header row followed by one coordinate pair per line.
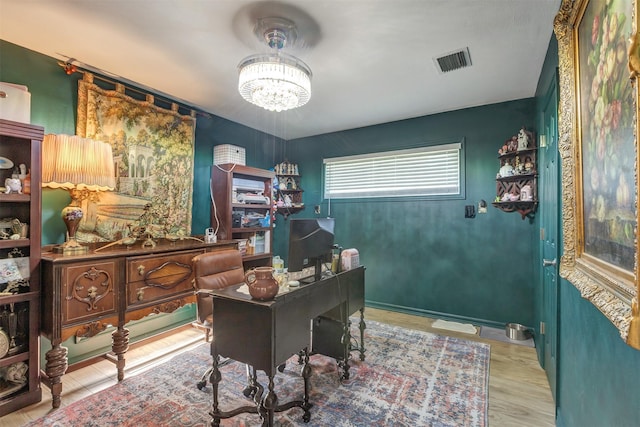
x,y
453,60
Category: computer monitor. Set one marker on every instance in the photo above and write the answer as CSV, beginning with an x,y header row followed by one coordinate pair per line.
x,y
310,243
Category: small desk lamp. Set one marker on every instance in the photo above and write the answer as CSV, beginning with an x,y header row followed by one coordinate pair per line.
x,y
81,166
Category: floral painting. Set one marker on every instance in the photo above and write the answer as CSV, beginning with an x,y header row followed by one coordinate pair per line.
x,y
607,124
153,150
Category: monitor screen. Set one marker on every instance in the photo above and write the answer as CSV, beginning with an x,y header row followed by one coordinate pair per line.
x,y
310,243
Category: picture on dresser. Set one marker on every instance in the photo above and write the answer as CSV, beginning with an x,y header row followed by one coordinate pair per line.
x,y
153,150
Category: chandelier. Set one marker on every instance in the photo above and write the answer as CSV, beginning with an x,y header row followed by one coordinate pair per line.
x,y
275,81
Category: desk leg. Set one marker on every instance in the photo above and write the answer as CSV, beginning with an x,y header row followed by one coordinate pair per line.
x,y
120,346
362,326
346,340
306,373
268,405
55,368
214,379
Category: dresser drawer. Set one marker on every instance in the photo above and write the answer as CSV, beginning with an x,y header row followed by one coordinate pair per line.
x,y
154,277
88,291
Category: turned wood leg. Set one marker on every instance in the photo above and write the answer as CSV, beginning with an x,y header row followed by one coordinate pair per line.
x,y
346,347
268,404
215,379
306,374
55,368
363,326
120,346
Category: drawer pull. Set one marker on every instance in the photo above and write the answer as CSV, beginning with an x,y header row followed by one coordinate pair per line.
x,y
141,270
140,294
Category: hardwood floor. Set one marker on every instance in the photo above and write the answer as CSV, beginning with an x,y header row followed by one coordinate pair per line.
x,y
519,393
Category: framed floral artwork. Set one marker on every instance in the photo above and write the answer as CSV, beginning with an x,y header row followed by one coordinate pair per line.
x,y
598,123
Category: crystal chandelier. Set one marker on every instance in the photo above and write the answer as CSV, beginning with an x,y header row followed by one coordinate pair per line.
x,y
275,81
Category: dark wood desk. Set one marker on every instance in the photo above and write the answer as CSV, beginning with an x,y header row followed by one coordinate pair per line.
x,y
264,334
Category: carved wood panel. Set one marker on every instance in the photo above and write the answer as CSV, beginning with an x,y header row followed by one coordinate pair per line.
x,y
88,291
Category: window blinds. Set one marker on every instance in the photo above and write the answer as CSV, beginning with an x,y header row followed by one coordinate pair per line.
x,y
427,171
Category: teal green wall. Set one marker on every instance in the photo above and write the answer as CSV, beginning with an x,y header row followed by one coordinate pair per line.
x,y
423,256
599,375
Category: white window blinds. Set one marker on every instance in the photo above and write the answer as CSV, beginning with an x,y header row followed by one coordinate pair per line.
x,y
427,171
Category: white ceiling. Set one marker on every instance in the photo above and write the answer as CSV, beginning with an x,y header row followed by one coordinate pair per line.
x,y
372,60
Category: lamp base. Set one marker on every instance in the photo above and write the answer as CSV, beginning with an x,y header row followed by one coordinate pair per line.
x,y
71,215
70,247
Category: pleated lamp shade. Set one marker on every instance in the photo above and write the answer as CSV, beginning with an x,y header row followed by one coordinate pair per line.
x,y
80,166
73,162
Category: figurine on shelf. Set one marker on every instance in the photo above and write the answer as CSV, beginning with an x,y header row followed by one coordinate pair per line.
x,y
519,167
524,138
505,170
13,185
512,144
528,165
526,195
509,197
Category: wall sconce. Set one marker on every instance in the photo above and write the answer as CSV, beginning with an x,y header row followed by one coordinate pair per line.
x,y
81,166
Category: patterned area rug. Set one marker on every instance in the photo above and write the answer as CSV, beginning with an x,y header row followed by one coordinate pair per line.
x,y
409,378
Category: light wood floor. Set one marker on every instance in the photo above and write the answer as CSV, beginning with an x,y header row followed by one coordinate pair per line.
x,y
519,393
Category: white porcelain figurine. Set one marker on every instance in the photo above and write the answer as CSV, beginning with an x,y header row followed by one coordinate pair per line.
x,y
13,185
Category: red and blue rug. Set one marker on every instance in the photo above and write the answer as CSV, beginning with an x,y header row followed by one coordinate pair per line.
x,y
409,378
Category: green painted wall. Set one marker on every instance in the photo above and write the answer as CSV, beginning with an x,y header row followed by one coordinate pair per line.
x,y
421,255
599,374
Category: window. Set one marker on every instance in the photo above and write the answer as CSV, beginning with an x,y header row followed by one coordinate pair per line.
x,y
426,171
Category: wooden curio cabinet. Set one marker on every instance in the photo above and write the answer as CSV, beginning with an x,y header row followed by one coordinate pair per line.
x,y
20,263
242,210
517,178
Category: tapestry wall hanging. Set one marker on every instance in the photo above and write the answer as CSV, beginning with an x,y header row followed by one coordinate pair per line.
x,y
153,152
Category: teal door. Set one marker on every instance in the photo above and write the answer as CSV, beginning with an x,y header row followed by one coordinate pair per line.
x,y
549,209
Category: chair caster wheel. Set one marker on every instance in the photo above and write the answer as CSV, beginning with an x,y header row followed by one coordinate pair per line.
x,y
201,384
281,367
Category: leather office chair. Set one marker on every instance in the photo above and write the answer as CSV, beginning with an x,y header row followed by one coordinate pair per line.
x,y
214,270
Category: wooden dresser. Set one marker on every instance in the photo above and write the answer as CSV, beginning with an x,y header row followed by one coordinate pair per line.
x,y
83,295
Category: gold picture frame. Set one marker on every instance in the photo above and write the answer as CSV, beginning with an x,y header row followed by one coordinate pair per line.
x,y
597,127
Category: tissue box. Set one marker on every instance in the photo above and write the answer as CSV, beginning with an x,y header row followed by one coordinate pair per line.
x,y
15,103
227,153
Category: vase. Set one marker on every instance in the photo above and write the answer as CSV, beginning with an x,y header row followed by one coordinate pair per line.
x,y
262,285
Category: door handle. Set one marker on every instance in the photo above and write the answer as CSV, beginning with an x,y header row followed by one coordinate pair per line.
x,y
548,262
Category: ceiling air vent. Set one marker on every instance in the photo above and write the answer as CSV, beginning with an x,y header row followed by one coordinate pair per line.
x,y
453,60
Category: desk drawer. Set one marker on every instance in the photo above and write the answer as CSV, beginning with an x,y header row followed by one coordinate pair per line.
x,y
88,291
151,278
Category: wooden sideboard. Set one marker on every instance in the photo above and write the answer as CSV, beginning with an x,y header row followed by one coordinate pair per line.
x,y
83,295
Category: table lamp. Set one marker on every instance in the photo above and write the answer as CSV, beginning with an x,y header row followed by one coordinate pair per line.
x,y
81,166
